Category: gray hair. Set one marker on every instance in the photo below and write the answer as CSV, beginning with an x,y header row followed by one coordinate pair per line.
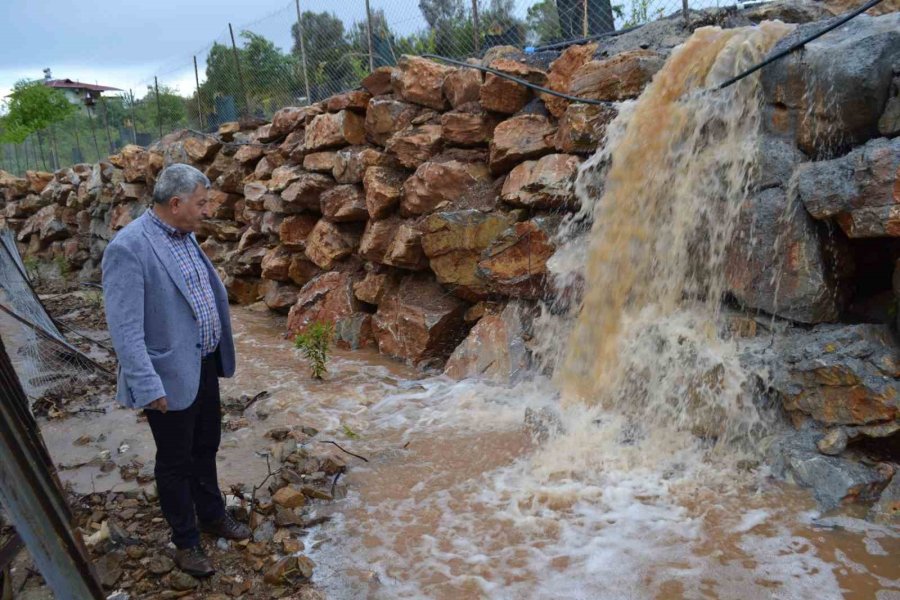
x,y
178,180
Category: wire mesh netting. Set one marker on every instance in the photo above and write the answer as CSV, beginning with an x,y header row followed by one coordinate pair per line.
x,y
300,53
46,363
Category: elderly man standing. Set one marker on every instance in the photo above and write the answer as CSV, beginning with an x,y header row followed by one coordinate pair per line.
x,y
169,321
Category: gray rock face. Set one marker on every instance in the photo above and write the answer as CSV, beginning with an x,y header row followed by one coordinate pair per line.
x,y
833,481
861,189
830,96
776,160
494,349
776,262
788,11
887,510
840,375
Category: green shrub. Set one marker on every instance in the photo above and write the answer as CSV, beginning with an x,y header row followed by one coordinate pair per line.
x,y
314,343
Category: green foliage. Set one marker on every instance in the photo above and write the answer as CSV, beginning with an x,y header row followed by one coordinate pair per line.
x,y
33,106
314,343
639,13
62,265
32,269
543,22
349,432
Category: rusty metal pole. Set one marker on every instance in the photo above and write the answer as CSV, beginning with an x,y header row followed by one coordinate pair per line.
x,y
476,29
302,51
369,36
199,103
237,63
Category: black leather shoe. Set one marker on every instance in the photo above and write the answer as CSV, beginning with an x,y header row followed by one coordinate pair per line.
x,y
194,561
227,528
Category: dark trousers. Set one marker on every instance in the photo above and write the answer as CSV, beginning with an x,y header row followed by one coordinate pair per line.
x,y
186,445
571,17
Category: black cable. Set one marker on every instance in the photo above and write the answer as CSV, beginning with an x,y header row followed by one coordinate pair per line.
x,y
583,40
801,43
527,84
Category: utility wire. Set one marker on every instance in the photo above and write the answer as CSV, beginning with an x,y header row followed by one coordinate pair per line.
x,y
801,43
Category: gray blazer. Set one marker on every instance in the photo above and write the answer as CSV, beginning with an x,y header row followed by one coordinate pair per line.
x,y
151,322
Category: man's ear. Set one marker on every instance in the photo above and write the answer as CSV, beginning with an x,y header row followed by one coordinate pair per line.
x,y
174,203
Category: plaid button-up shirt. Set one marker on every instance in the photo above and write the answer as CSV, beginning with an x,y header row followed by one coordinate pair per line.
x,y
197,278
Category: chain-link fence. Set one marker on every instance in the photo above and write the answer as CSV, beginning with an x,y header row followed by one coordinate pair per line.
x,y
301,53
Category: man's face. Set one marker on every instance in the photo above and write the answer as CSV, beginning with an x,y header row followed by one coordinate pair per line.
x,y
189,211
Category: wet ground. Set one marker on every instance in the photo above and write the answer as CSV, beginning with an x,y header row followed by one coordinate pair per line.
x,y
457,500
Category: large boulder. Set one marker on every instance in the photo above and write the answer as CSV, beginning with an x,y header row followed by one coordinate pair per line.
x,y
462,86
386,116
582,128
330,242
276,263
840,374
501,95
445,183
777,262
494,349
415,145
355,100
515,264
520,138
378,82
384,188
327,298
454,242
279,296
292,118
546,183
468,125
861,190
350,164
294,230
405,250
281,178
831,96
320,162
421,81
621,77
373,287
559,79
344,203
377,238
334,130
306,191
418,321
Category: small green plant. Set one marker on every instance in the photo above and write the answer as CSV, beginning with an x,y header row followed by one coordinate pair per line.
x,y
32,269
314,343
349,432
62,265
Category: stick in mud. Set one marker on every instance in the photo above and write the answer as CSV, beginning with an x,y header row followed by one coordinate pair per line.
x,y
343,449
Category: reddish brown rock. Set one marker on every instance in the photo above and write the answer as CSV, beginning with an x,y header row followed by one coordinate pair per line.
x,y
16,187
405,250
48,224
420,81
201,148
377,238
327,298
263,169
344,203
242,290
226,231
37,181
350,164
133,159
248,155
320,162
621,77
520,138
582,128
378,82
462,86
227,130
356,100
494,349
330,242
279,296
454,242
445,184
284,176
292,118
295,229
355,332
559,78
501,95
249,238
546,183
333,130
271,223
305,193
384,188
214,249
415,145
126,192
372,289
387,116
276,263
515,264
123,214
293,143
469,125
418,321
302,270
220,205
221,164
254,193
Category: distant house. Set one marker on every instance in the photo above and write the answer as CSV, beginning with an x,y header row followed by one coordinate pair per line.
x,y
84,94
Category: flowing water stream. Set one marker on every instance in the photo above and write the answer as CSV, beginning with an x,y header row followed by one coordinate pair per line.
x,y
649,484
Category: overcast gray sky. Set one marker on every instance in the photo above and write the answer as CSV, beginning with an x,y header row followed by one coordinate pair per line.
x,y
124,43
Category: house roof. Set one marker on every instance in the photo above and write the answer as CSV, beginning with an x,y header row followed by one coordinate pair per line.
x,y
68,83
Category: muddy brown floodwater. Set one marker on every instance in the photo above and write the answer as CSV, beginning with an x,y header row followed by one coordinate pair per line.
x,y
457,502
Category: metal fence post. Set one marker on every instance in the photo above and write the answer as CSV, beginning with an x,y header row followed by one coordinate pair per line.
x,y
109,141
584,18
133,119
199,103
237,63
685,11
369,36
476,28
302,51
158,107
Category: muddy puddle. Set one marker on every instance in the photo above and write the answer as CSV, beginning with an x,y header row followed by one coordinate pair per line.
x,y
457,501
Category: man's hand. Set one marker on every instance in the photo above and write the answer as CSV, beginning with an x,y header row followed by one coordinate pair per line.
x,y
159,404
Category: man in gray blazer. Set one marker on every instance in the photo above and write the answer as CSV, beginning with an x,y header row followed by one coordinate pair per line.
x,y
170,325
